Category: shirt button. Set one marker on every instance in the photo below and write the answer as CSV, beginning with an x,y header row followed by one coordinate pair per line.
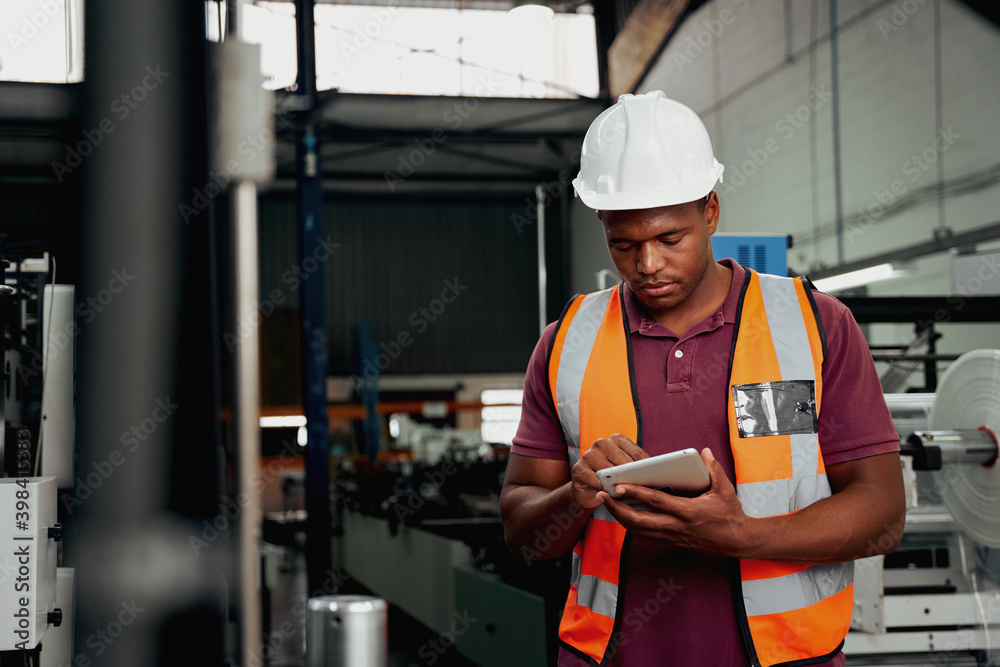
x,y
679,353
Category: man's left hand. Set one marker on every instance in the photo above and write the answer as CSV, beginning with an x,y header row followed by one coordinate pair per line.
x,y
713,522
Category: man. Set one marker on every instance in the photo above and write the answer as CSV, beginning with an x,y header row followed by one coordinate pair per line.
x,y
771,381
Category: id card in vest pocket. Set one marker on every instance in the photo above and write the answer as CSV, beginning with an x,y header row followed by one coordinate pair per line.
x,y
775,408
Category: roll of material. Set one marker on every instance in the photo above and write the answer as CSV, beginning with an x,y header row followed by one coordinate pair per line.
x,y
346,631
968,397
910,412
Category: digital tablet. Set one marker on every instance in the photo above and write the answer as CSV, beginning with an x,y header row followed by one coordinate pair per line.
x,y
680,473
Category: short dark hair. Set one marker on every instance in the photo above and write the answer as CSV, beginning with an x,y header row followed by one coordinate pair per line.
x,y
701,203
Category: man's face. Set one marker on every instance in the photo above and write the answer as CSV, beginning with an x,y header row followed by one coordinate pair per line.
x,y
662,253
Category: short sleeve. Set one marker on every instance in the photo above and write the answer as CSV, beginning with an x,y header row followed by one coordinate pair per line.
x,y
854,421
539,433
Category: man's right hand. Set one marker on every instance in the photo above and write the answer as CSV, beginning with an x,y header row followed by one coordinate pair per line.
x,y
542,494
604,453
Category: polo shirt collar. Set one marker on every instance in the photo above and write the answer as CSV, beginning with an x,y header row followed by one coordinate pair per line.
x,y
639,320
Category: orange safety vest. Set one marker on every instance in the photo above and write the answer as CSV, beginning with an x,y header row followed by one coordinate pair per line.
x,y
790,612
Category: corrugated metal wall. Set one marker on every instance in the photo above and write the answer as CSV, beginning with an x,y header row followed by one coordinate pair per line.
x,y
452,283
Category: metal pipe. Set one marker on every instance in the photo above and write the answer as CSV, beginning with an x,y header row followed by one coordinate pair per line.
x,y
838,188
935,245
312,303
959,445
244,233
542,271
243,229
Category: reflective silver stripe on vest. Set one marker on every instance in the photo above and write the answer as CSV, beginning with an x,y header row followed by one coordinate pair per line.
x,y
596,594
603,514
796,591
574,577
577,346
788,330
805,454
792,349
781,496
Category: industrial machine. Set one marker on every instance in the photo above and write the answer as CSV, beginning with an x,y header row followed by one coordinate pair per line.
x,y
435,507
936,600
766,253
36,442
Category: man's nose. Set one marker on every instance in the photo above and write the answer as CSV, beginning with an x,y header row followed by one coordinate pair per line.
x,y
649,260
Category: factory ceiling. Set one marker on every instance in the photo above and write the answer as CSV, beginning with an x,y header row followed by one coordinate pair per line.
x,y
369,143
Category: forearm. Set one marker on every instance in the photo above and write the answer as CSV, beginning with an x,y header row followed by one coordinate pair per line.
x,y
541,523
855,523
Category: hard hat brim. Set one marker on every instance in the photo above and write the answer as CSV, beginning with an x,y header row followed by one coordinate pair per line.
x,y
668,196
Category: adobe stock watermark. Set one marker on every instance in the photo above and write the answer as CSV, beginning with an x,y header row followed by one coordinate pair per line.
x,y
101,639
362,37
433,649
914,168
552,190
495,419
559,524
413,501
738,175
412,159
122,107
965,637
783,647
636,618
608,134
292,278
247,151
334,582
271,644
33,24
900,14
91,479
989,268
421,320
230,509
694,46
273,641
86,311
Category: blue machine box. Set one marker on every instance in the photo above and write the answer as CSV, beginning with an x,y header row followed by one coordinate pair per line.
x,y
766,253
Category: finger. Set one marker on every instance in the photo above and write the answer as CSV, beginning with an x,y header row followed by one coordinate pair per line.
x,y
716,474
660,501
585,475
607,452
629,447
643,522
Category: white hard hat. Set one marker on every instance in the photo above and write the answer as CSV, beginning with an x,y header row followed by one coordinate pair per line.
x,y
643,152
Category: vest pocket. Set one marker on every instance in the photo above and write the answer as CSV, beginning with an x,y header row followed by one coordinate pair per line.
x,y
775,408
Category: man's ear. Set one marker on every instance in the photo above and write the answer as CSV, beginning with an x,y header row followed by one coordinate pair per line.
x,y
712,212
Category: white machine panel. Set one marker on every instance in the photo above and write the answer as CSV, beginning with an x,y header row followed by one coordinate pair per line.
x,y
57,648
58,433
28,560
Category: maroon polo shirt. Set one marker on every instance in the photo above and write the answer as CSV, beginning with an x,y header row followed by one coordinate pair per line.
x,y
678,607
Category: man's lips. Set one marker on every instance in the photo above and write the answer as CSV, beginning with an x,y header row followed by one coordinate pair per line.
x,y
658,288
